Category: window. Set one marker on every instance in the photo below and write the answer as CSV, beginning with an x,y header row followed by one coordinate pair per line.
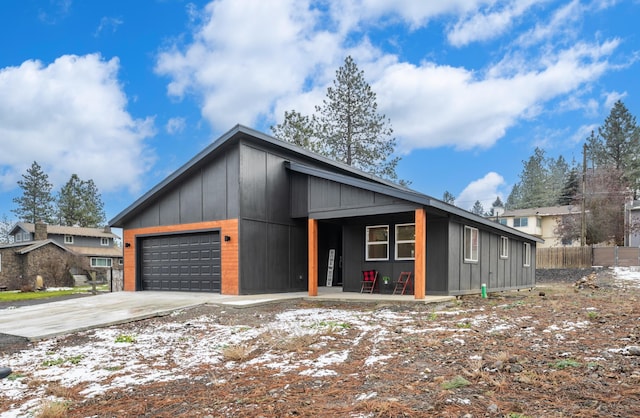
x,y
104,241
504,247
539,222
503,221
406,242
120,261
527,254
522,222
377,243
68,239
100,262
470,244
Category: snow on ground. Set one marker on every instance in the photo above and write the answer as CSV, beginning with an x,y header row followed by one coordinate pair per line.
x,y
116,357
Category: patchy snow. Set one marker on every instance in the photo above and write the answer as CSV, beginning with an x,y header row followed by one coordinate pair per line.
x,y
117,357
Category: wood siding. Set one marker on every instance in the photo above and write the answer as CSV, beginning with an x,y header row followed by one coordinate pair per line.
x,y
229,250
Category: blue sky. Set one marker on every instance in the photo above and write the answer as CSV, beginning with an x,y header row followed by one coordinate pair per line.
x,y
125,92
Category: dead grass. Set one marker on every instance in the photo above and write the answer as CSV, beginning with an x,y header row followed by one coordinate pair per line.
x,y
53,409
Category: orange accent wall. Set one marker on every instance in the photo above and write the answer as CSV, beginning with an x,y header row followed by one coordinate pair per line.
x,y
228,251
313,256
421,254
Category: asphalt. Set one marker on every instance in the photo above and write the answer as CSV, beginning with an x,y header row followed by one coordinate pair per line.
x,y
40,321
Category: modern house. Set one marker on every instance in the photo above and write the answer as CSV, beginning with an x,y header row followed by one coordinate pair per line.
x,y
541,222
53,252
252,214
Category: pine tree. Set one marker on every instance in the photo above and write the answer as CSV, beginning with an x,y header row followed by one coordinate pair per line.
x,y
80,204
448,197
349,127
571,188
478,209
298,130
496,207
36,202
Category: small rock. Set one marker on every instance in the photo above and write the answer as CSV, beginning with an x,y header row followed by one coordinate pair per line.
x,y
516,368
633,350
541,294
493,409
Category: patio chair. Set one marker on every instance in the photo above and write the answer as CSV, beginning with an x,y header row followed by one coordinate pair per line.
x,y
369,279
403,283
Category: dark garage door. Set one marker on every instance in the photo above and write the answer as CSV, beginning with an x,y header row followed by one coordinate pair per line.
x,y
185,262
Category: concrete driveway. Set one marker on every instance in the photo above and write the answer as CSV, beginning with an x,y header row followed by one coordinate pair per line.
x,y
63,317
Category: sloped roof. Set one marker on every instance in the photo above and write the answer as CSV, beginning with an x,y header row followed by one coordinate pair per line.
x,y
65,230
34,245
544,211
98,251
334,171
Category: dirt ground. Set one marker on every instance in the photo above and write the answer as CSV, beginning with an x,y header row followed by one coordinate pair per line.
x,y
564,349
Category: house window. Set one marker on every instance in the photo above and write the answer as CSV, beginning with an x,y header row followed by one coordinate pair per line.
x,y
18,237
100,262
527,254
504,247
470,244
406,242
539,222
377,243
120,261
68,239
520,222
104,241
503,221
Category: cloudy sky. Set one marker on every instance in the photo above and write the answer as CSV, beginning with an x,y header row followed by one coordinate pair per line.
x,y
125,92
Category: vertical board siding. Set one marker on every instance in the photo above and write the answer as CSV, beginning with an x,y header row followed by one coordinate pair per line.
x,y
229,251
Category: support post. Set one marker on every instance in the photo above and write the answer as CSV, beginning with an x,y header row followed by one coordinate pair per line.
x,y
312,257
420,283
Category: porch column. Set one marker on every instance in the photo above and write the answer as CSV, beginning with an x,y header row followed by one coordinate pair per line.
x,y
312,257
420,286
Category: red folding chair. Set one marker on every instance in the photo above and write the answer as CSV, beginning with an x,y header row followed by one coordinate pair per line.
x,y
369,279
403,283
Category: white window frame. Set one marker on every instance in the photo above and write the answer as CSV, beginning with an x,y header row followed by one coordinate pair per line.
x,y
18,237
519,219
504,247
471,246
68,239
94,263
369,243
406,241
527,255
104,242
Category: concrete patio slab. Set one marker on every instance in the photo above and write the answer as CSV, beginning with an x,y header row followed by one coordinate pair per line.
x,y
68,316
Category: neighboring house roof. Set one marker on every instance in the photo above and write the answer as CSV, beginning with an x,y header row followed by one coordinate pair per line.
x,y
66,230
98,251
34,245
339,172
543,211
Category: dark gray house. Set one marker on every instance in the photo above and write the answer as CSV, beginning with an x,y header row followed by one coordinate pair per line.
x,y
251,214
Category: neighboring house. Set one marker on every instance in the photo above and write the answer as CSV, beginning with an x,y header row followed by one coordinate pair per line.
x,y
540,222
632,224
53,252
251,214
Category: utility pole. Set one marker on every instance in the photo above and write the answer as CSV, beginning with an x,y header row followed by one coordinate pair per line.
x,y
583,229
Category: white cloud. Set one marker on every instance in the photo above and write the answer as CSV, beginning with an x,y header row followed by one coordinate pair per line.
x,y
483,26
612,97
485,190
175,125
108,24
70,116
287,52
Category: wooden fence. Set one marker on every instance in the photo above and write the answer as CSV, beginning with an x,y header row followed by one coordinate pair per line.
x,y
583,257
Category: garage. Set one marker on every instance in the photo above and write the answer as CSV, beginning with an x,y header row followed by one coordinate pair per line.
x,y
187,262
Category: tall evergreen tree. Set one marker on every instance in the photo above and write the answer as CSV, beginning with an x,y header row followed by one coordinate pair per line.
x,y
570,189
297,129
496,207
36,202
349,127
448,197
80,204
477,208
